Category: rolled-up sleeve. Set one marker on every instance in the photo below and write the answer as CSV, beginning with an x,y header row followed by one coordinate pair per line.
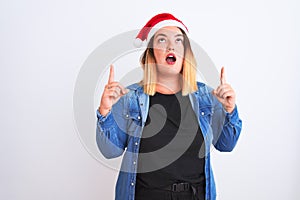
x,y
111,137
226,128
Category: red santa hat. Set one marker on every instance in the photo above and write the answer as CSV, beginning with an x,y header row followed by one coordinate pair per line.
x,y
155,23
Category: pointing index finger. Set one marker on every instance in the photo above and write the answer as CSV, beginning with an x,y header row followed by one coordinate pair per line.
x,y
111,74
222,76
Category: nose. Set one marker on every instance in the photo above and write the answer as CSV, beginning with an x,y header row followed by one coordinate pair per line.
x,y
170,46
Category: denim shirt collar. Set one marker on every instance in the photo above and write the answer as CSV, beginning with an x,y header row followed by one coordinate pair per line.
x,y
144,99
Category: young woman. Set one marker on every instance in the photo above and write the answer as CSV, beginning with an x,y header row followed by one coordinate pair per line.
x,y
167,122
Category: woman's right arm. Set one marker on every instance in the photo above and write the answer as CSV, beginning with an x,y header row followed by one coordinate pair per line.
x,y
111,126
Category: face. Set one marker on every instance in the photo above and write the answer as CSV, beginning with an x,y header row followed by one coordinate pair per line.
x,y
168,48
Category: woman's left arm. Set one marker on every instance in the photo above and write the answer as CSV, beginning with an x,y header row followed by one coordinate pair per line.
x,y
225,116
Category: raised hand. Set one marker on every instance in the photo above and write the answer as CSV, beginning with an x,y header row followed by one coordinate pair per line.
x,y
113,91
225,94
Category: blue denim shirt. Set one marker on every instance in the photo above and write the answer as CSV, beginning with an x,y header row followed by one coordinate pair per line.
x,y
120,131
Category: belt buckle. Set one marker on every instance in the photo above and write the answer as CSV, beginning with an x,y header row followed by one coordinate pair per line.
x,y
179,187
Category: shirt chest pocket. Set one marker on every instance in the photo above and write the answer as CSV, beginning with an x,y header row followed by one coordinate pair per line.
x,y
206,114
134,121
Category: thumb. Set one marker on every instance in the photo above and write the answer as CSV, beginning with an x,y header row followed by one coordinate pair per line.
x,y
125,91
214,92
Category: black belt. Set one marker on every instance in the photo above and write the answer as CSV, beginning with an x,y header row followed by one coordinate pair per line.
x,y
178,187
182,187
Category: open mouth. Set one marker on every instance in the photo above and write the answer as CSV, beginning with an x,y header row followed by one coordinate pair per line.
x,y
171,59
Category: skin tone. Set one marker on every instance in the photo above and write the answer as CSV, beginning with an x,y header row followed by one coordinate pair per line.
x,y
225,94
113,91
167,40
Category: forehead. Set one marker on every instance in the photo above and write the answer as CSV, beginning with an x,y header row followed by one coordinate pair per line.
x,y
169,30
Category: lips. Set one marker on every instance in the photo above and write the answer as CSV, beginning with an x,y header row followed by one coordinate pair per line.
x,y
171,59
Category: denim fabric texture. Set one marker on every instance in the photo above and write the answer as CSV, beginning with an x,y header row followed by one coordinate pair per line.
x,y
119,133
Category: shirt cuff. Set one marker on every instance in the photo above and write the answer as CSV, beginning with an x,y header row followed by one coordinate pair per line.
x,y
232,117
105,121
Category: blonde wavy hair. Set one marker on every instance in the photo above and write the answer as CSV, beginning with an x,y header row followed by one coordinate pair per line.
x,y
189,83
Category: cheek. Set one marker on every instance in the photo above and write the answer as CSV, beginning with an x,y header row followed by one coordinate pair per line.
x,y
181,50
159,55
159,47
180,56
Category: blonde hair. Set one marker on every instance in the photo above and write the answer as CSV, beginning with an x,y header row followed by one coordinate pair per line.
x,y
189,83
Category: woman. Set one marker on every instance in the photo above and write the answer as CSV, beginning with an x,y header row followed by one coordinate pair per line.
x,y
167,122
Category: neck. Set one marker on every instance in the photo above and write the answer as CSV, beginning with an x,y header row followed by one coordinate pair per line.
x,y
169,85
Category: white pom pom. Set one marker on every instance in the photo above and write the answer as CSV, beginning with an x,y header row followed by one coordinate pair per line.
x,y
138,42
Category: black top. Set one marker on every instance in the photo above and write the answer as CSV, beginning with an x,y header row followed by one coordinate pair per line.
x,y
172,146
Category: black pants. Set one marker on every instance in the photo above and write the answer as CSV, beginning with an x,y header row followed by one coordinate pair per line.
x,y
160,194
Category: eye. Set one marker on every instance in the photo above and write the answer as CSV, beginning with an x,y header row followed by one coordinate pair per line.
x,y
161,40
179,40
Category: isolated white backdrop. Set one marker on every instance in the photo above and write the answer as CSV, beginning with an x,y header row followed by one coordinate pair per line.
x,y
43,45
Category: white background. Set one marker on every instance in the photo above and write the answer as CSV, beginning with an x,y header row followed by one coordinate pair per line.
x,y
43,45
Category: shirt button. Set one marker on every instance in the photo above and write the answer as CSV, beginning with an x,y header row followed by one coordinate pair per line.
x,y
127,116
139,117
132,184
202,113
134,162
136,143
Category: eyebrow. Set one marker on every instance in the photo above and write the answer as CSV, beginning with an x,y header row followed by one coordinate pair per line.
x,y
161,34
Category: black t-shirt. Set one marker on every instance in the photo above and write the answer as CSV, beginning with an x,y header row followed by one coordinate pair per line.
x,y
172,146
